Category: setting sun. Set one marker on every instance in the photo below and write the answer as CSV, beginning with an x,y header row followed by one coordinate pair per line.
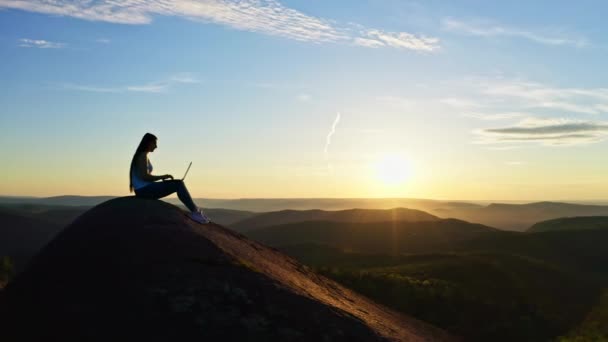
x,y
392,169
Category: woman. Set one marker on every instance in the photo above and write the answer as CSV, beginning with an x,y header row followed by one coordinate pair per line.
x,y
146,185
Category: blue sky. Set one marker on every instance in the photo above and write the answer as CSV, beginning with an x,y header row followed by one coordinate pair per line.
x,y
479,100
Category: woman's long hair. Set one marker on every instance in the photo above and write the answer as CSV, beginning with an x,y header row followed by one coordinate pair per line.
x,y
145,141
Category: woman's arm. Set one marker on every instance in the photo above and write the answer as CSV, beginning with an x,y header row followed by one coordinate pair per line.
x,y
141,167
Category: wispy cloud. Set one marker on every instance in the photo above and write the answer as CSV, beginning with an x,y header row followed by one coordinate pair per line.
x,y
499,98
103,40
484,28
264,16
328,140
514,163
377,38
459,102
153,87
539,113
184,77
396,101
546,132
502,148
40,43
92,88
149,88
303,97
495,116
536,95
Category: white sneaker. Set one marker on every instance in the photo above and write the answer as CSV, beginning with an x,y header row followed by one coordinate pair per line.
x,y
199,217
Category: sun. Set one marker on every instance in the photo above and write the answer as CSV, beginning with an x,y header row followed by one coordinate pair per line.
x,y
393,169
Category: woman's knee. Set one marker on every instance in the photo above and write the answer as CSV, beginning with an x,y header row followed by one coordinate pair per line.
x,y
177,184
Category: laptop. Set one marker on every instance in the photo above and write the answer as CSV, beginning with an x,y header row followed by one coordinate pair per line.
x,y
188,169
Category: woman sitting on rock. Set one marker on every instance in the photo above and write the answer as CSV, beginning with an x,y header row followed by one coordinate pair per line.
x,y
145,184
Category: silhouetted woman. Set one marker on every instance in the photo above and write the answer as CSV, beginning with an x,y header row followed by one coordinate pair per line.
x,y
146,185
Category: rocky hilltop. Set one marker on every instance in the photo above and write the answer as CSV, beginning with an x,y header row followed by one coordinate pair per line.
x,y
141,270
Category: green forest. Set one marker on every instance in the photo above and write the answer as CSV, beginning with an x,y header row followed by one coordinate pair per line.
x,y
498,286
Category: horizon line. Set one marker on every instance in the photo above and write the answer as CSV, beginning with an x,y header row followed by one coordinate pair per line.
x,y
320,198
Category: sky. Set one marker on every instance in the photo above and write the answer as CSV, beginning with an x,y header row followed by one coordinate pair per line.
x,y
472,100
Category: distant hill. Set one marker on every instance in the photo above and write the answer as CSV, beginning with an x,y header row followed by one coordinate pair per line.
x,y
519,217
332,204
266,204
584,250
393,237
571,223
506,216
350,215
141,270
57,200
227,217
579,249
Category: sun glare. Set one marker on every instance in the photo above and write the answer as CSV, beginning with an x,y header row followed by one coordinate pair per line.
x,y
393,169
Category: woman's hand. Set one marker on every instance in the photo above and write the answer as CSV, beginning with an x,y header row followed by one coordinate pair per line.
x,y
167,176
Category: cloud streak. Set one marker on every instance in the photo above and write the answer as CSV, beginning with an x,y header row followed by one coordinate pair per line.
x,y
40,43
487,29
401,40
546,132
153,87
495,116
268,17
303,97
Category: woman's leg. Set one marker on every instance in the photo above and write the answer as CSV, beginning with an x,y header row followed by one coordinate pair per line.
x,y
158,190
184,195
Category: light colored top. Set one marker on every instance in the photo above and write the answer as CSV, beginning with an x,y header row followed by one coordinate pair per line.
x,y
136,180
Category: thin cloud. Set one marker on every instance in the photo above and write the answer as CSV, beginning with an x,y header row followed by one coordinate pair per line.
x,y
103,40
501,99
40,43
487,29
303,97
396,101
546,132
91,88
502,148
149,88
369,43
401,40
495,116
536,95
153,87
263,16
184,78
459,102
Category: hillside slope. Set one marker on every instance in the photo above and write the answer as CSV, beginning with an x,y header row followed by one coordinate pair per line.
x,y
141,270
570,223
377,237
351,215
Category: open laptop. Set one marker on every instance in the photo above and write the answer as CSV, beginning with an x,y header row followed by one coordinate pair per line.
x,y
188,169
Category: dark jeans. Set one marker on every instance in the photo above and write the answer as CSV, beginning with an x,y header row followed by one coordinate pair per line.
x,y
158,190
